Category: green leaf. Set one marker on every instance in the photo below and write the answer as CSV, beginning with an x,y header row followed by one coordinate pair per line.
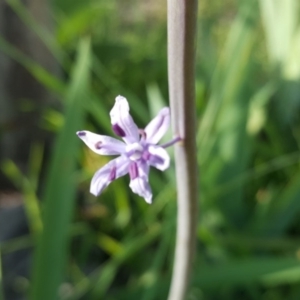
x,y
51,254
266,270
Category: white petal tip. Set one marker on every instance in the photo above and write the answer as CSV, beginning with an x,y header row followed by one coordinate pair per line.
x,y
148,200
81,134
165,111
93,193
120,98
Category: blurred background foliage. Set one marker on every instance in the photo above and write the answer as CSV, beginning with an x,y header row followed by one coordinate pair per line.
x,y
60,242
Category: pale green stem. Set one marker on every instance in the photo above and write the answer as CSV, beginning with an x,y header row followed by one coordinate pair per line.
x,y
182,16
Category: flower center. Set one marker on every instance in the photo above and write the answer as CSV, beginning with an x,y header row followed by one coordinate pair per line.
x,y
134,151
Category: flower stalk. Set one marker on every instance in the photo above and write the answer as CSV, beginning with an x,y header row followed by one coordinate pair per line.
x,y
182,16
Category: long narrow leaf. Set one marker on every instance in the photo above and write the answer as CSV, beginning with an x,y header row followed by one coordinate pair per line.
x,y
51,254
264,270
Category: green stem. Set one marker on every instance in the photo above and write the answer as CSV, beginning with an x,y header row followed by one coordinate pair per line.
x,y
182,16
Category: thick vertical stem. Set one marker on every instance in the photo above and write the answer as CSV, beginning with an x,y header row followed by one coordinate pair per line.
x,y
182,16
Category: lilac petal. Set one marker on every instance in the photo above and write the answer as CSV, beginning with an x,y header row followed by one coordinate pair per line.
x,y
139,180
102,144
158,126
118,130
143,168
158,158
133,171
103,177
139,169
122,122
140,186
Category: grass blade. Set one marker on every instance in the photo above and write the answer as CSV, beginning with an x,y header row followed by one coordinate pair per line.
x,y
51,254
269,270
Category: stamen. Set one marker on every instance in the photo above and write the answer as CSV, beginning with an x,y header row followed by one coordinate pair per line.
x,y
134,151
118,130
133,171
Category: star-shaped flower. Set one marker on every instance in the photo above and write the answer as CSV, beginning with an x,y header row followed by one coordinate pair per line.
x,y
137,153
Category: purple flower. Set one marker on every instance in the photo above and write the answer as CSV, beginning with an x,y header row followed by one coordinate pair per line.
x,y
136,155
